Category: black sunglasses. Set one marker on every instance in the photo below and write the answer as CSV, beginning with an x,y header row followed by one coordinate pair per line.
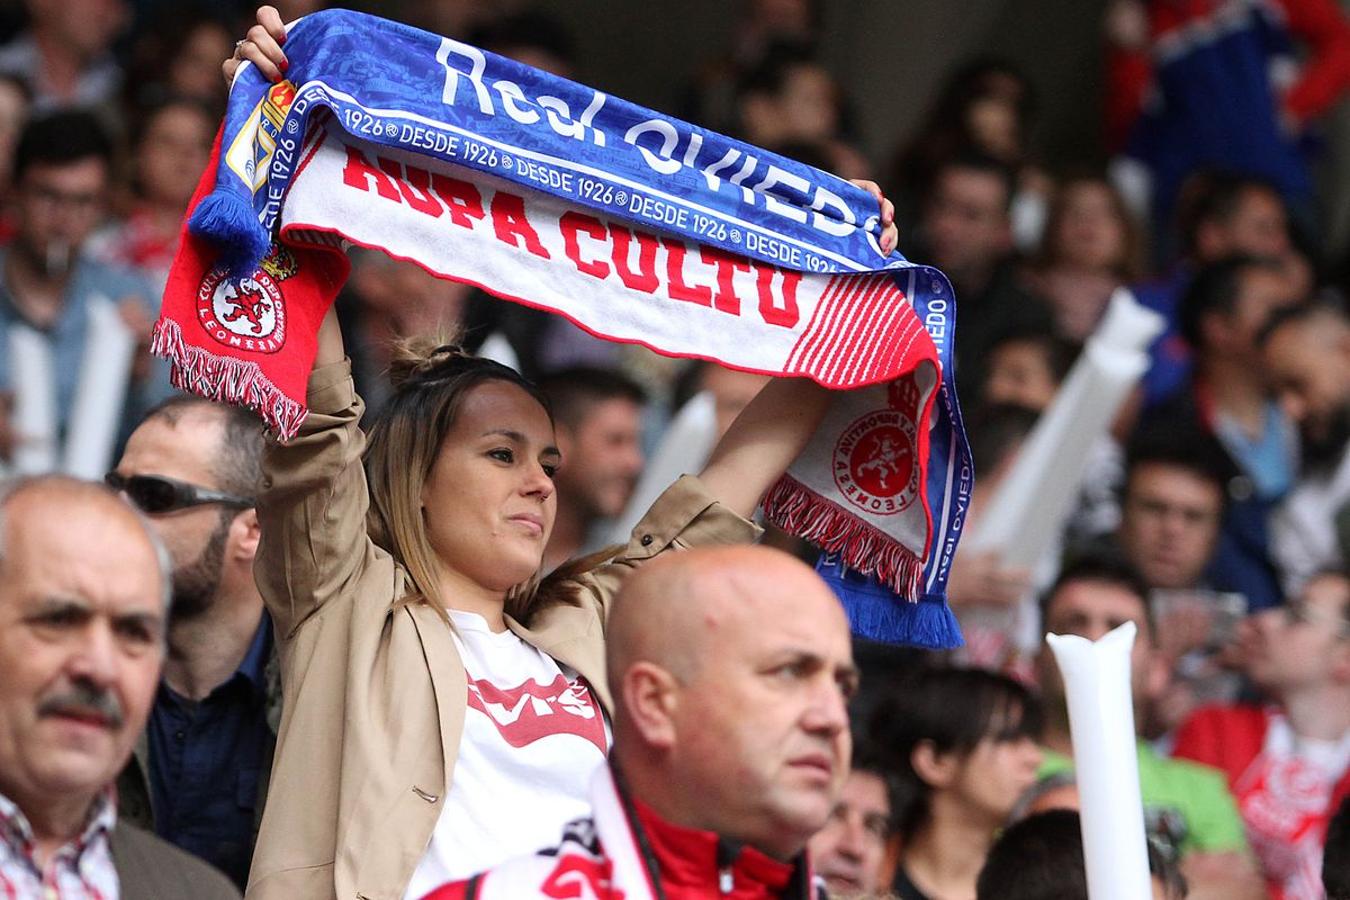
x,y
156,494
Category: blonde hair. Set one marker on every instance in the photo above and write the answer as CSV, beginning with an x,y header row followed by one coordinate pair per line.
x,y
431,376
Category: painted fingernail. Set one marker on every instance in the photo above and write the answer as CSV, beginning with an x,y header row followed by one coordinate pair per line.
x,y
284,64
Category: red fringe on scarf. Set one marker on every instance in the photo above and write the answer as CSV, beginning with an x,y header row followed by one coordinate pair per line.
x,y
796,509
226,379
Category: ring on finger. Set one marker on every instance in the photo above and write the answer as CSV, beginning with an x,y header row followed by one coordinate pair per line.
x,y
238,45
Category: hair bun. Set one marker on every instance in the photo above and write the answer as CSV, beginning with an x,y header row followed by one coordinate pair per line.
x,y
422,355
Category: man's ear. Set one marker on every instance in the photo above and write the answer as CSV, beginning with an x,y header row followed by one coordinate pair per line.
x,y
244,536
937,770
651,698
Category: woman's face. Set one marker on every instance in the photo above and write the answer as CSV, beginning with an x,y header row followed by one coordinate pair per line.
x,y
488,501
996,774
1019,373
195,69
175,149
1090,233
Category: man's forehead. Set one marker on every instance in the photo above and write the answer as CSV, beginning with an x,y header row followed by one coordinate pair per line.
x,y
92,549
90,168
181,448
780,621
1095,599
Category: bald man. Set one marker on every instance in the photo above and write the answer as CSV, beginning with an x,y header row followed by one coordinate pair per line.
x,y
1306,353
84,597
730,669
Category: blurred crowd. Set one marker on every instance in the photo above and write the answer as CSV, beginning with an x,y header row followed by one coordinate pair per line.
x,y
1215,514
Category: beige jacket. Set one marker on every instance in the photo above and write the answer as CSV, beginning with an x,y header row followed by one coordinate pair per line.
x,y
373,693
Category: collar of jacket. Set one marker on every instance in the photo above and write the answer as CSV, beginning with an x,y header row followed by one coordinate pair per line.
x,y
691,859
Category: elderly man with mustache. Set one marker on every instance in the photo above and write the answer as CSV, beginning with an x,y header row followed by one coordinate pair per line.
x,y
83,604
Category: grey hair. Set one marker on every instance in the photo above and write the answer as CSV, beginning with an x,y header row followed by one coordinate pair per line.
x,y
12,487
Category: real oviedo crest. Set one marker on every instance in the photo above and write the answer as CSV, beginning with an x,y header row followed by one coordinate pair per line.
x,y
247,313
875,464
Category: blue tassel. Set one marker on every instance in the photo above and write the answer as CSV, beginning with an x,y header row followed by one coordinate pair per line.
x,y
877,613
229,221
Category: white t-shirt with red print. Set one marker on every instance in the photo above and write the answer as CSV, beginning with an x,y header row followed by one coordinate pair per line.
x,y
534,736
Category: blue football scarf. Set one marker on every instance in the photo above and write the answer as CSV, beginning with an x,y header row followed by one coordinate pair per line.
x,y
636,226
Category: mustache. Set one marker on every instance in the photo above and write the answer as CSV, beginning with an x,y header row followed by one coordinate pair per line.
x,y
85,700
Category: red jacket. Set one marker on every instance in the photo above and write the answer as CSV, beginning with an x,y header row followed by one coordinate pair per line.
x,y
1229,738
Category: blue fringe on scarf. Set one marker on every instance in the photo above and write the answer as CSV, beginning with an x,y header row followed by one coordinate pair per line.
x,y
876,613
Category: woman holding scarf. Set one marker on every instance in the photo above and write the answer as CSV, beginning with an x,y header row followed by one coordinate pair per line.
x,y
443,704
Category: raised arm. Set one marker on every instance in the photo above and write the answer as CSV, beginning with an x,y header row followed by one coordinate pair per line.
x,y
763,441
313,508
774,428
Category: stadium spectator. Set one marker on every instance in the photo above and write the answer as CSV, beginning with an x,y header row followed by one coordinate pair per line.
x,y
731,736
1091,246
83,602
850,851
1026,368
15,101
1038,858
791,101
1041,858
984,108
386,302
1169,62
459,515
732,390
597,415
199,775
47,281
963,746
175,54
965,231
1188,809
1229,397
989,597
1221,216
763,25
65,56
789,98
1172,507
1306,352
172,146
1288,763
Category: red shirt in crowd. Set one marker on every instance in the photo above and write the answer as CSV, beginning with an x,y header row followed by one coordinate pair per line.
x,y
1286,788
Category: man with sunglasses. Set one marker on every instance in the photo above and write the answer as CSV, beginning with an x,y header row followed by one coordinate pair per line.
x,y
199,774
1289,761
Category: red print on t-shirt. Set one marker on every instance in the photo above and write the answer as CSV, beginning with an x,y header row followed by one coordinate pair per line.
x,y
532,711
582,878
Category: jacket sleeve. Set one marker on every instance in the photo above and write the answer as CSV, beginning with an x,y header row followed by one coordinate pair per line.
x,y
312,511
684,516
